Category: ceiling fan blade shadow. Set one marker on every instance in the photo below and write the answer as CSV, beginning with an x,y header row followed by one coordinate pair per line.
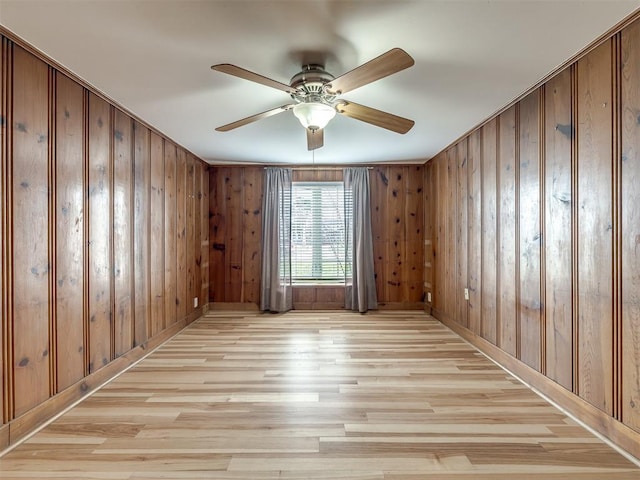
x,y
375,117
254,118
253,77
315,138
386,64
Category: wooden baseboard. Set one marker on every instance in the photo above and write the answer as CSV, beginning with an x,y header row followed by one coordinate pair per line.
x,y
196,314
617,432
27,423
313,306
250,307
400,306
4,437
318,306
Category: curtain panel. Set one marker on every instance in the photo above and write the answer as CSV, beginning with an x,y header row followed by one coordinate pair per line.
x,y
360,282
275,285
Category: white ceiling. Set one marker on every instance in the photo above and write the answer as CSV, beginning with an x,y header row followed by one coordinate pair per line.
x,y
154,56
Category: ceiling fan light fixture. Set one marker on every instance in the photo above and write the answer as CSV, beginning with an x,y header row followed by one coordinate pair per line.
x,y
314,115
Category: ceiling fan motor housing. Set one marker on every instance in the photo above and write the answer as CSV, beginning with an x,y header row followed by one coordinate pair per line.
x,y
310,82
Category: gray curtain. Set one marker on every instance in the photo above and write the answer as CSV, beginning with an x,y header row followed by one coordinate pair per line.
x,y
360,293
275,285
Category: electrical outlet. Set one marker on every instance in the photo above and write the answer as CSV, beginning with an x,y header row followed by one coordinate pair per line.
x,y
195,302
466,294
429,297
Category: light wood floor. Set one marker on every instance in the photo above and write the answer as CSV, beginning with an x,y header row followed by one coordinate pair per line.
x,y
393,396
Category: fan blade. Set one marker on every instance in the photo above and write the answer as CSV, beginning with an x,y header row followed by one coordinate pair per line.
x,y
315,138
375,117
393,61
253,77
253,118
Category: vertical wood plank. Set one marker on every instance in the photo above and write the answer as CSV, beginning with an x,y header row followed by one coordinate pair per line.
x,y
30,209
252,218
393,233
100,160
559,132
474,260
530,231
413,262
490,237
439,247
191,238
630,226
69,254
462,228
197,222
170,262
217,251
234,234
507,232
204,250
451,290
142,234
181,234
122,232
595,225
430,206
157,234
616,181
5,250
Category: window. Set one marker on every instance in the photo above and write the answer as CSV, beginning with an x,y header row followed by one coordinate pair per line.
x,y
317,232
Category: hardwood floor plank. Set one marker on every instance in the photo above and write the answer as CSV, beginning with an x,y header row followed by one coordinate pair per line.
x,y
384,463
317,396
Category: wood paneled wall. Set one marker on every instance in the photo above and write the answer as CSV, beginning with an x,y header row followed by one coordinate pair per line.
x,y
102,239
235,230
537,213
235,212
397,224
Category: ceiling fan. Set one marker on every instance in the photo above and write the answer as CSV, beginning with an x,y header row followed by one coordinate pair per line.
x,y
315,93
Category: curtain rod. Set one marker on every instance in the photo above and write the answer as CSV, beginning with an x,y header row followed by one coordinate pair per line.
x,y
319,168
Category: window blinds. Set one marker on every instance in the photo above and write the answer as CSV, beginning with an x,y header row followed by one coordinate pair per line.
x,y
318,232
